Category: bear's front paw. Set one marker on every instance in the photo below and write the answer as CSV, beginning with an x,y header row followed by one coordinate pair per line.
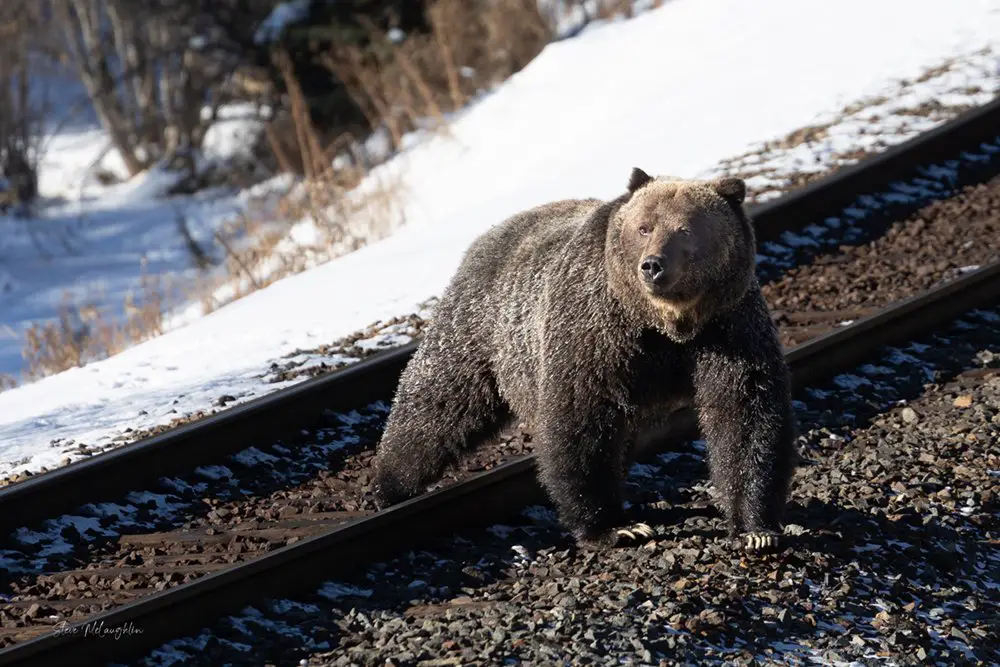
x,y
761,542
389,490
619,537
635,533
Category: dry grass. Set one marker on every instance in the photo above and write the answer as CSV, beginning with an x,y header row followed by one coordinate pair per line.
x,y
400,87
341,217
413,84
82,333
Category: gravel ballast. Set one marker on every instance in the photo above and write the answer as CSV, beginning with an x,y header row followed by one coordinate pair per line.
x,y
890,554
939,243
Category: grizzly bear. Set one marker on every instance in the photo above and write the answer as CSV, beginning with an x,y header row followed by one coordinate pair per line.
x,y
591,322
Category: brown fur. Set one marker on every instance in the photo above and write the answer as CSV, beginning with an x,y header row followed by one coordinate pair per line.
x,y
714,257
552,319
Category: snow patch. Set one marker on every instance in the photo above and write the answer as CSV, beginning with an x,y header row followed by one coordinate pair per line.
x,y
333,591
515,148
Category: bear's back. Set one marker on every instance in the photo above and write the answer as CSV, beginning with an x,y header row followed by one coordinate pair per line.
x,y
502,281
533,235
516,252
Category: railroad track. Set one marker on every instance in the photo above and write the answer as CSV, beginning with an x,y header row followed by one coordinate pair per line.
x,y
170,581
891,555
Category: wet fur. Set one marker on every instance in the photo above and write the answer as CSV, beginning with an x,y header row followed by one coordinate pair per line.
x,y
547,321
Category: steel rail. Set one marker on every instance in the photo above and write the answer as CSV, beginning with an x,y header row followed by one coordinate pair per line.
x,y
282,413
814,201
479,500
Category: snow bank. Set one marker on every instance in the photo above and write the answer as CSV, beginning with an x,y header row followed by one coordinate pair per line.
x,y
673,91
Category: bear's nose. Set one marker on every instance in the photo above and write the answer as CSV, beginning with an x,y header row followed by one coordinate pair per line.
x,y
652,269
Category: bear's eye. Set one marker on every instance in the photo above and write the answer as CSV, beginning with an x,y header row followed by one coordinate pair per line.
x,y
644,230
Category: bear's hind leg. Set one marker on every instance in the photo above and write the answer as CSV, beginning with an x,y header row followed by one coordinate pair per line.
x,y
444,406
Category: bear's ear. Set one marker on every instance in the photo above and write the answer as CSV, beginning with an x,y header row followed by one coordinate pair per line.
x,y
637,179
733,190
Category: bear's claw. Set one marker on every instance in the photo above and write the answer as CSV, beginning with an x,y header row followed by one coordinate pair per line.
x,y
634,532
617,537
758,543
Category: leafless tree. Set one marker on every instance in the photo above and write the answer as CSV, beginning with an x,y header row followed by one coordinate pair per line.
x,y
153,68
21,112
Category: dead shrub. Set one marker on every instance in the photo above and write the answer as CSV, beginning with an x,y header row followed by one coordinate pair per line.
x,y
83,332
22,111
256,246
400,85
343,217
608,9
154,71
412,84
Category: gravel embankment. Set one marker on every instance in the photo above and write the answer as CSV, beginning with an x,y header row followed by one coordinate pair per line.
x,y
891,555
937,244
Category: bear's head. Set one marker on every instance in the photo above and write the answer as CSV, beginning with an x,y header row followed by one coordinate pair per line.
x,y
680,251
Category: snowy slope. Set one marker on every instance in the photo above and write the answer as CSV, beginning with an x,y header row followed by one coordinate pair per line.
x,y
674,90
94,241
